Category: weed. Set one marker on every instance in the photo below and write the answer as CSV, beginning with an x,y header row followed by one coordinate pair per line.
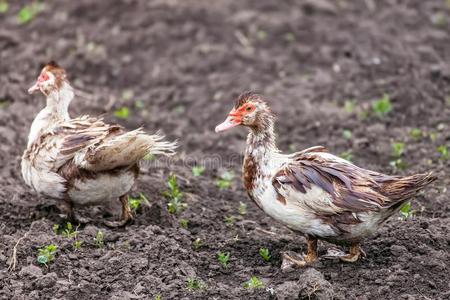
x,y
406,211
347,155
136,203
56,229
223,258
347,134
226,180
265,254
398,149
174,195
29,12
184,223
242,208
433,136
398,164
70,232
158,297
99,239
77,244
229,220
254,283
4,6
195,284
416,133
349,106
122,113
443,150
197,244
383,106
47,254
198,171
363,114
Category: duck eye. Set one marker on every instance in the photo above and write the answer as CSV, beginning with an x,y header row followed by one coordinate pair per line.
x,y
249,108
44,77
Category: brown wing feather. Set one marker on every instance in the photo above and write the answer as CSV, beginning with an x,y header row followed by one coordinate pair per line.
x,y
352,188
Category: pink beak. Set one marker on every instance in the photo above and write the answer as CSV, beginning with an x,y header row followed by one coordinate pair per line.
x,y
34,88
230,122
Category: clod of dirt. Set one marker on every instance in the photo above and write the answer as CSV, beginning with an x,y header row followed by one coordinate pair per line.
x,y
31,270
46,281
314,286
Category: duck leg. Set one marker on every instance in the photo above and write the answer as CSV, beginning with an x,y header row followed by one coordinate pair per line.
x,y
70,213
127,216
291,258
355,253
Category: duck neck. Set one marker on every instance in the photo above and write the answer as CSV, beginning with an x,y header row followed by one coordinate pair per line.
x,y
58,102
258,154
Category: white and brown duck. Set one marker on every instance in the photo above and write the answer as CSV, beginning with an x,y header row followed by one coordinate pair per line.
x,y
82,161
313,191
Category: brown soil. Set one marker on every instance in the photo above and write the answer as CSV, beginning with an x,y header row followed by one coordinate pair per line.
x,y
185,61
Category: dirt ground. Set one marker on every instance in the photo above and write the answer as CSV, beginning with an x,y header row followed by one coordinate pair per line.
x,y
183,62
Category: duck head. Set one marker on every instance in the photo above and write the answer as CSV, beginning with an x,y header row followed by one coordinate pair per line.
x,y
250,110
51,78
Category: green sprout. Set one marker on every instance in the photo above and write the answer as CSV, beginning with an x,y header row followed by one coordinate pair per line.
x,y
139,104
398,149
254,283
158,297
347,155
4,6
265,254
225,181
198,171
29,12
127,94
223,258
443,150
242,208
383,106
350,105
347,134
195,284
184,223
149,157
136,203
56,228
416,133
406,211
229,220
197,243
174,195
99,239
47,254
433,136
77,244
70,232
122,113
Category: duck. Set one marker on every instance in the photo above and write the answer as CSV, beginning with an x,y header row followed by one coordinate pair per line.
x,y
313,192
82,161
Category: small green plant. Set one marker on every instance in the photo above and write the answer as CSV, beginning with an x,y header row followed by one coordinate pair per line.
x,y
174,195
443,150
226,180
406,211
139,104
382,107
254,283
99,239
122,113
184,223
416,133
223,258
150,157
198,171
197,243
127,94
29,12
349,106
195,284
348,155
77,244
136,203
242,208
433,136
398,149
158,297
56,229
229,220
4,6
347,134
47,254
265,254
70,232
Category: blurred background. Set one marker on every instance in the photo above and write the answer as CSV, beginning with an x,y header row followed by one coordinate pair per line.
x,y
370,80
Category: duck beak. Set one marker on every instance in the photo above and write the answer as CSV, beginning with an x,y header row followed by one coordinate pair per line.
x,y
34,88
231,121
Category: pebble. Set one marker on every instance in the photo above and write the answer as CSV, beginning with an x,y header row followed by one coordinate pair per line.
x,y
46,281
31,270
